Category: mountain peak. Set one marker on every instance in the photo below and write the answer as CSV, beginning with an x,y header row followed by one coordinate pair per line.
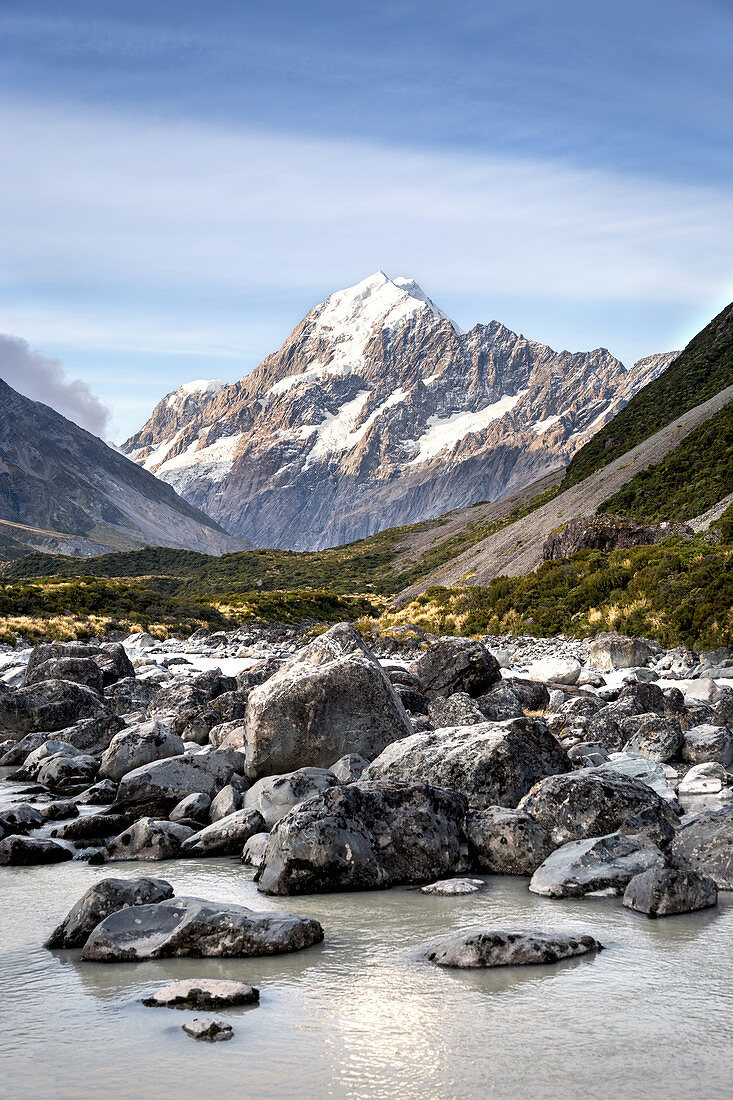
x,y
376,300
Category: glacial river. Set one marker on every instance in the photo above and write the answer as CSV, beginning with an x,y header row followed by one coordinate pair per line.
x,y
360,1016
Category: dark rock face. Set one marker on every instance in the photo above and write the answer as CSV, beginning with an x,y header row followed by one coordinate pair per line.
x,y
705,844
49,705
492,764
20,819
26,851
80,670
192,927
105,897
64,772
456,664
148,839
365,836
273,796
330,699
456,710
131,695
656,737
93,827
591,802
225,837
661,892
501,703
111,661
506,842
604,863
470,950
608,532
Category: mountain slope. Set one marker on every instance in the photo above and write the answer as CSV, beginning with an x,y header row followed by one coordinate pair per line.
x,y
377,411
704,368
62,488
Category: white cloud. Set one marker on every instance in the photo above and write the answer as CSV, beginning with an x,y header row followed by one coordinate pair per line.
x,y
145,204
44,379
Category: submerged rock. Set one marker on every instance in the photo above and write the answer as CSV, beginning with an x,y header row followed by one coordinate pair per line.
x,y
469,950
200,929
26,851
208,1029
454,887
206,993
107,896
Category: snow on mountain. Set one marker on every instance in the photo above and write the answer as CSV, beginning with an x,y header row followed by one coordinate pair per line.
x,y
379,410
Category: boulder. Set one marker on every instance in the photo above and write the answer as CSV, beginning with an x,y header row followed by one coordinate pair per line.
x,y
59,810
506,842
477,948
705,844
20,819
639,697
601,864
329,699
555,670
177,776
67,772
456,710
641,767
110,660
658,738
605,728
276,795
206,993
92,827
80,670
412,699
138,744
26,851
107,896
456,665
208,1029
707,743
365,836
130,695
194,807
93,735
148,839
349,768
662,891
192,927
610,651
253,853
36,759
225,837
491,764
591,802
454,887
49,705
707,778
500,703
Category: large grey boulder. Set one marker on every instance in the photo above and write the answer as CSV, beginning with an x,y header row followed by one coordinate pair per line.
x,y
20,818
192,927
329,699
592,802
35,760
600,864
458,709
506,842
176,777
365,836
500,703
349,768
194,807
705,844
80,670
555,670
493,764
275,795
107,896
49,705
456,665
706,743
93,735
654,736
111,661
225,837
610,651
253,853
70,772
479,948
26,851
131,694
226,802
663,891
148,839
138,744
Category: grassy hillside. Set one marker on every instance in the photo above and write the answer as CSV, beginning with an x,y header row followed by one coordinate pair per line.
x,y
675,592
691,479
703,369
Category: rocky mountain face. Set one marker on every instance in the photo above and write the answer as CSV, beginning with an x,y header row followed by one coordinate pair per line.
x,y
63,489
378,411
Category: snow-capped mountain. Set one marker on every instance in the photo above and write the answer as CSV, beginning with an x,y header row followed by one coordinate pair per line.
x,y
378,410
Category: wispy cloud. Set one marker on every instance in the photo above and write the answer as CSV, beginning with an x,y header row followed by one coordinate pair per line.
x,y
44,379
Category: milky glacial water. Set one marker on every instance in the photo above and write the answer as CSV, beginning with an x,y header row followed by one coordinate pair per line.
x,y
361,1015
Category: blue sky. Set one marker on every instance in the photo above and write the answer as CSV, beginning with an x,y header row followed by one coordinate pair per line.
x,y
183,181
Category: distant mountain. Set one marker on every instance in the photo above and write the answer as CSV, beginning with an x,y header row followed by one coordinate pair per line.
x,y
376,411
64,490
